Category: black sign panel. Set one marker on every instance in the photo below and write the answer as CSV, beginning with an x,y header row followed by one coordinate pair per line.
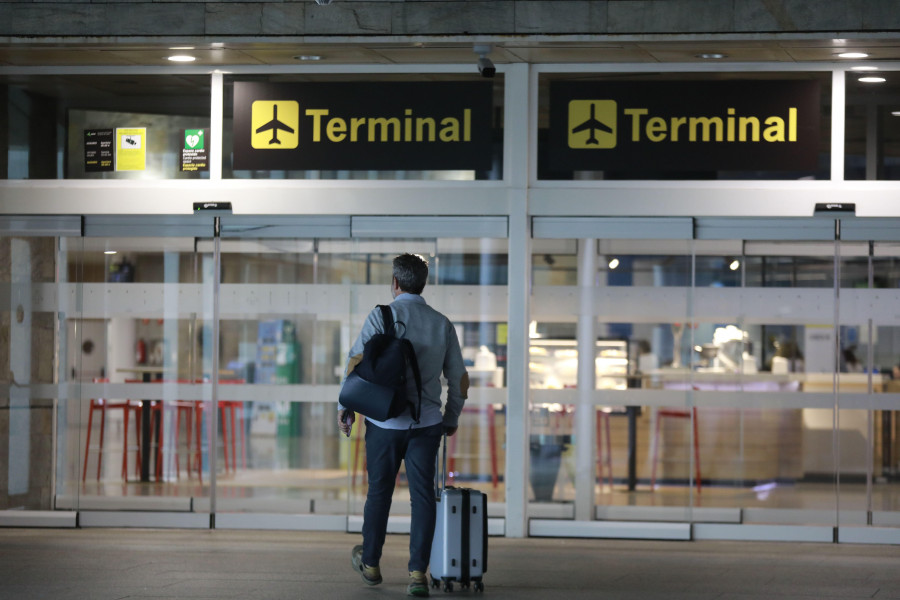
x,y
361,126
99,150
685,125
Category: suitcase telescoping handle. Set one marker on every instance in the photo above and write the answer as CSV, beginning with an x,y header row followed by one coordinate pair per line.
x,y
440,476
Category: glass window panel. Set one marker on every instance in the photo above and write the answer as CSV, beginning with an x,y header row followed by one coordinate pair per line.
x,y
49,115
872,136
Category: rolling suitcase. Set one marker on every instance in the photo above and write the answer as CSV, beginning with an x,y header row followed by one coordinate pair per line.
x,y
459,549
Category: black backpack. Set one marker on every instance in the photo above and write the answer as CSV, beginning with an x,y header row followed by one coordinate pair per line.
x,y
376,387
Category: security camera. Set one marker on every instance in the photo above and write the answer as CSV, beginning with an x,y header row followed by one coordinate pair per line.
x,y
323,2
486,67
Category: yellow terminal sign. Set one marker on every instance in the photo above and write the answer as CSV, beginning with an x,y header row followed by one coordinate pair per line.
x,y
275,124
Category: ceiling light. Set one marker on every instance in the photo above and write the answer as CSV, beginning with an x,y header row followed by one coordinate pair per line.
x,y
109,252
872,80
896,113
181,48
735,265
711,55
864,68
614,263
181,58
307,57
853,55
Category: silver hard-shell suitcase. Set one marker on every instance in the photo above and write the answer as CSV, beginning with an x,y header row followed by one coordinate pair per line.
x,y
459,548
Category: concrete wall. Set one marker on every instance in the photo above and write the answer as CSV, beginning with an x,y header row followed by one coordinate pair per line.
x,y
424,17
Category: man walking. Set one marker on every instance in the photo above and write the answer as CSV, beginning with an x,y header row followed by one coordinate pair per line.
x,y
402,439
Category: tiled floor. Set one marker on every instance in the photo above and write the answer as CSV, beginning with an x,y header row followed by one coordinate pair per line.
x,y
111,564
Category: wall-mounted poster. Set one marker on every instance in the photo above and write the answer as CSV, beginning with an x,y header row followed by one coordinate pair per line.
x,y
99,152
195,154
131,148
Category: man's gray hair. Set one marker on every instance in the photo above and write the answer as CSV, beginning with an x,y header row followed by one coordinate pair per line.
x,y
411,271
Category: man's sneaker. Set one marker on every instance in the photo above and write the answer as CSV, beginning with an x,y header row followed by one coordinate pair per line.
x,y
370,575
418,584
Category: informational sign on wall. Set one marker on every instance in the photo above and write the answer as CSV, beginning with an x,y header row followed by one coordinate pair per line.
x,y
99,153
378,126
131,148
684,125
194,154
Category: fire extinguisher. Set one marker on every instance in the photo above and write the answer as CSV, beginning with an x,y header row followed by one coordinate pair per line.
x,y
140,354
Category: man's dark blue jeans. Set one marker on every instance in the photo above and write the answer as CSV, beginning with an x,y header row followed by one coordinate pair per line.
x,y
385,448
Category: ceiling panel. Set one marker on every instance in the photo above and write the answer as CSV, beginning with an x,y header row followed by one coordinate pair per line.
x,y
363,51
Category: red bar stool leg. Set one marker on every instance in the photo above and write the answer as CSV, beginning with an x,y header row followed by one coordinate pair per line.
x,y
87,443
102,431
126,412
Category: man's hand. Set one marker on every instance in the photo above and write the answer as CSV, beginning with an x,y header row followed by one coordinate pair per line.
x,y
450,430
346,418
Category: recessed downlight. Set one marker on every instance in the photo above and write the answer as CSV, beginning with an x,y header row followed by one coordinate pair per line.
x,y
871,79
711,56
853,55
181,58
308,57
864,68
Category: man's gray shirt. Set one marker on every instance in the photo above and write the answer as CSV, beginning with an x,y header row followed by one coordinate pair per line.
x,y
437,351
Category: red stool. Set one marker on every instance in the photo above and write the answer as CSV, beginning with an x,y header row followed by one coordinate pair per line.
x,y
677,414
103,405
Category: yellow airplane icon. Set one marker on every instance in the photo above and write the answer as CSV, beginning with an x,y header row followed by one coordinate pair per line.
x,y
264,118
592,116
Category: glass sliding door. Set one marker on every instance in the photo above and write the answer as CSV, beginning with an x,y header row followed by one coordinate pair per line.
x,y
866,428
140,338
294,295
767,405
612,440
723,408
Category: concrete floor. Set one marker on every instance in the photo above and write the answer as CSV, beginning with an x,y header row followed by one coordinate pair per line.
x,y
110,564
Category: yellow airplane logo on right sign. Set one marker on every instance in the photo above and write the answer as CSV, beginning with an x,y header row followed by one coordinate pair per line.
x,y
592,124
272,129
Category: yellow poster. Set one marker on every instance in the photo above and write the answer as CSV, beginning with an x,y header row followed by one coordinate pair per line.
x,y
131,148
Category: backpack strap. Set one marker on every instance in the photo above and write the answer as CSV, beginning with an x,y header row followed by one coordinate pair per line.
x,y
410,353
387,316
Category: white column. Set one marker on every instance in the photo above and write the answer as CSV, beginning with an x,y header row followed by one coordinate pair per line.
x,y
838,118
216,126
585,418
515,171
